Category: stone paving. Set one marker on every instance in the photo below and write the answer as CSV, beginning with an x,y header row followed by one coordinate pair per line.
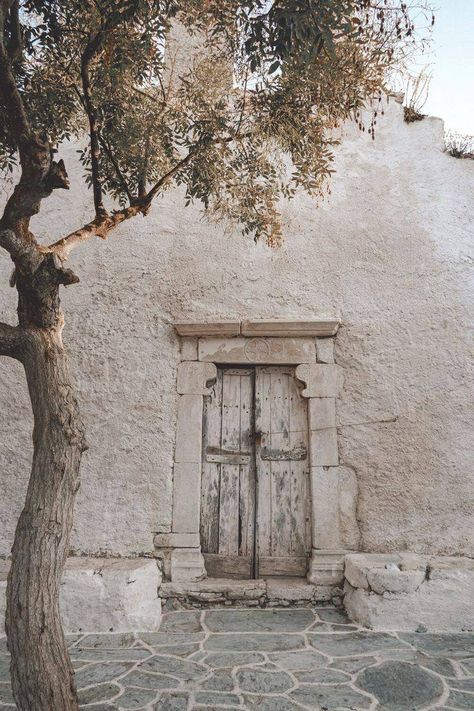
x,y
270,660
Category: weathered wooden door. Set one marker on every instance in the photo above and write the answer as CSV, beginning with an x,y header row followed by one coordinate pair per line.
x,y
255,503
228,476
283,495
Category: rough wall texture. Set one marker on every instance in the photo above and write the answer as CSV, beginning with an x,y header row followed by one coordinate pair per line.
x,y
387,252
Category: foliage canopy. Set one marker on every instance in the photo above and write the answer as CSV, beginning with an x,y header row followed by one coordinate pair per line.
x,y
210,93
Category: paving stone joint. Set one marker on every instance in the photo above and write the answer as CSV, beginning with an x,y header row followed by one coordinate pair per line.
x,y
270,660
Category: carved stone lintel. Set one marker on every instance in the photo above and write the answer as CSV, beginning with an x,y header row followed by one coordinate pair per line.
x,y
270,351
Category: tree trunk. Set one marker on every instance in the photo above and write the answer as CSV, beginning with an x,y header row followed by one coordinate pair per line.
x,y
42,674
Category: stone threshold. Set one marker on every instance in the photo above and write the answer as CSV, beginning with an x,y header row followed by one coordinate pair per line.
x,y
265,592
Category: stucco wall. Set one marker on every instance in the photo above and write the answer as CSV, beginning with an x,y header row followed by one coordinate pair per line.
x,y
387,252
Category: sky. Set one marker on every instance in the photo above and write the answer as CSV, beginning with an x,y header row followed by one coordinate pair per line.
x,y
451,92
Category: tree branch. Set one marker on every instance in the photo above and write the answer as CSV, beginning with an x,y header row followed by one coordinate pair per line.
x,y
102,225
11,340
144,169
170,174
89,53
13,105
118,172
99,227
39,173
15,45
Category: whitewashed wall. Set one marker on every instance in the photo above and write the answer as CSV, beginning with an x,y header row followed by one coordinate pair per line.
x,y
387,252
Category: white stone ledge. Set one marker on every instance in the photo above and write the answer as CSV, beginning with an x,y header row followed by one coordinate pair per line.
x,y
207,328
310,328
105,594
406,591
285,328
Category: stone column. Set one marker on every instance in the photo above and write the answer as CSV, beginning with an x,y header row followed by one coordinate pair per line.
x,y
333,487
187,562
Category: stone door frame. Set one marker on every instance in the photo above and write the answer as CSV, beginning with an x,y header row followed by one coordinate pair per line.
x,y
308,345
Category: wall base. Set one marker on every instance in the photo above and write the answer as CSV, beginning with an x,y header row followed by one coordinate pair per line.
x,y
104,595
410,592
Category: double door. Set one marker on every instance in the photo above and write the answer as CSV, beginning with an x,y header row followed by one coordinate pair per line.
x,y
255,498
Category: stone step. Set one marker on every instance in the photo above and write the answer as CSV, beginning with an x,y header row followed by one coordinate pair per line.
x,y
271,592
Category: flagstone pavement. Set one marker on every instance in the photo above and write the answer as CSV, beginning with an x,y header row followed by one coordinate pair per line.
x,y
270,660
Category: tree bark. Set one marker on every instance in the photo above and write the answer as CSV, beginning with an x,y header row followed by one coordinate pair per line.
x,y
10,340
42,674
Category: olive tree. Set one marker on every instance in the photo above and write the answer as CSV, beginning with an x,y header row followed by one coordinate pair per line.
x,y
264,88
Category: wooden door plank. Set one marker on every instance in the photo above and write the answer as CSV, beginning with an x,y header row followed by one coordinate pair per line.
x,y
294,566
283,508
230,473
222,457
210,482
230,438
280,470
247,469
228,483
264,468
228,566
299,474
229,510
